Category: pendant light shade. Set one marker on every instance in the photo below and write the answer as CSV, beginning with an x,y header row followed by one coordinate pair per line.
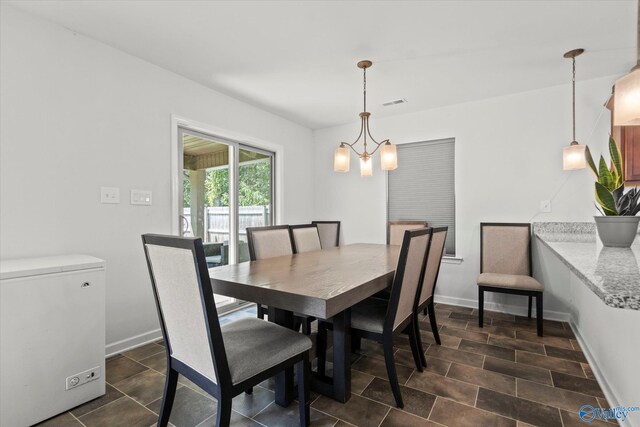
x,y
573,156
388,157
341,159
626,101
366,168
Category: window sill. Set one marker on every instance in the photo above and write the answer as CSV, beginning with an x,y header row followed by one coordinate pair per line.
x,y
452,259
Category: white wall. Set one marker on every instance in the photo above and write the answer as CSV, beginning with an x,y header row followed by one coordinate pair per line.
x,y
508,159
76,115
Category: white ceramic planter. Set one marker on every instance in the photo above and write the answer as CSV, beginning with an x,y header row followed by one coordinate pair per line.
x,y
617,231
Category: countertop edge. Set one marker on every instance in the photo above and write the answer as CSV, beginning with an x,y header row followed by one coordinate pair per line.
x,y
607,299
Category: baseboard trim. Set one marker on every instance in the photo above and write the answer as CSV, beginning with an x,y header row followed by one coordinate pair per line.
x,y
503,308
609,394
132,342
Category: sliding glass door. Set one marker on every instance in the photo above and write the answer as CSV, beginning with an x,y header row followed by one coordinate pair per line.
x,y
226,187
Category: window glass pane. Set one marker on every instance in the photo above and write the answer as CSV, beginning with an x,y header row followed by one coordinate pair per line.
x,y
422,188
255,195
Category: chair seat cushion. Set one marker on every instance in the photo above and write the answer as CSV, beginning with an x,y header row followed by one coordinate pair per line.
x,y
510,281
254,345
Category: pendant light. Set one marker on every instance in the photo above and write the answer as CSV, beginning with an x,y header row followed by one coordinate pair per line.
x,y
573,156
626,101
388,154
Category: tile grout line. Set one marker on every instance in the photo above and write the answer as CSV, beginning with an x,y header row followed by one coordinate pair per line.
x,y
385,416
76,418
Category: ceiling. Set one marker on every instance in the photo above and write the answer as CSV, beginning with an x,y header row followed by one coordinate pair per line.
x,y
298,59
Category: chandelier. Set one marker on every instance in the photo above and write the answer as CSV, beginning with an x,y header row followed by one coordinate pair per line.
x,y
626,110
388,155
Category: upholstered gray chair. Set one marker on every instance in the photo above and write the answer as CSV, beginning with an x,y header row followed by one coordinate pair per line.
x,y
505,265
397,228
219,359
378,319
329,233
269,242
305,238
430,278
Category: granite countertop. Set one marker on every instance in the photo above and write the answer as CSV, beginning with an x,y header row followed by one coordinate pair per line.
x,y
612,273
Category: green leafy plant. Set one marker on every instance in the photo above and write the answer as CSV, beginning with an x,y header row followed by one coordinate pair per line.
x,y
609,185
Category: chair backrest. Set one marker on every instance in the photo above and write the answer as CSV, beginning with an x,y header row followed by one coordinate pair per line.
x,y
329,233
408,277
305,238
269,242
186,308
396,230
434,260
505,248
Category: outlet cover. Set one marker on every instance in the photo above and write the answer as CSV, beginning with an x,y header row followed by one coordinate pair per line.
x,y
545,206
109,195
141,197
83,377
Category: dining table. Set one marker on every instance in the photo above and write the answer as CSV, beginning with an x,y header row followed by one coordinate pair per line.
x,y
324,284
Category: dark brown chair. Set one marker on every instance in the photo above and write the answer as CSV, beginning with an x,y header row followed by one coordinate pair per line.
x,y
329,233
219,359
378,319
430,278
269,242
505,265
396,229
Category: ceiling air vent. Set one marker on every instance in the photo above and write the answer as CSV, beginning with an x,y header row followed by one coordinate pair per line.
x,y
395,102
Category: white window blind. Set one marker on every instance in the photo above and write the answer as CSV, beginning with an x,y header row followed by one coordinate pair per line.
x,y
422,188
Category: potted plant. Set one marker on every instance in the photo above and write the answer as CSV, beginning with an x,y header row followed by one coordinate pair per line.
x,y
618,224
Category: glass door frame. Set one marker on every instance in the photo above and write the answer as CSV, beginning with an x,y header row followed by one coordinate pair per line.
x,y
236,142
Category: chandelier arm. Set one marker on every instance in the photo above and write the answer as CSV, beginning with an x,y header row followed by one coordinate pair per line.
x,y
360,134
380,144
354,150
369,133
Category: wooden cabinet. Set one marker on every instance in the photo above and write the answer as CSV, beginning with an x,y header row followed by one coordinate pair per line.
x,y
630,147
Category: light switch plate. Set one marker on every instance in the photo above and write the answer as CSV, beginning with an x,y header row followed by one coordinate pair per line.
x,y
141,197
109,195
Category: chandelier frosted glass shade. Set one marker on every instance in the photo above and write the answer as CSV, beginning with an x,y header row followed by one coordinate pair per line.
x,y
388,157
341,159
573,157
626,101
366,168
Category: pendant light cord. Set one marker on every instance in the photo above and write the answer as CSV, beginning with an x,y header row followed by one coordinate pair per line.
x,y
573,104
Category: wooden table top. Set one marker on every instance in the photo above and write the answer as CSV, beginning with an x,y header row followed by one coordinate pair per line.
x,y
320,283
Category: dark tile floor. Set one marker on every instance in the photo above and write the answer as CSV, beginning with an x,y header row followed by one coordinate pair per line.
x,y
499,375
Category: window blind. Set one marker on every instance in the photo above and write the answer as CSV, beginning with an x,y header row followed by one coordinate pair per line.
x,y
423,186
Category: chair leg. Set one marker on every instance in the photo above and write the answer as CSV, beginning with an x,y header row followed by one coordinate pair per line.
x,y
303,390
539,312
480,306
249,390
413,341
223,417
260,310
434,325
391,370
530,301
321,347
170,386
424,311
423,359
297,324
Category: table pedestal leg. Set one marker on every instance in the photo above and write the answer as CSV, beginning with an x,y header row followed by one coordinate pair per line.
x,y
284,380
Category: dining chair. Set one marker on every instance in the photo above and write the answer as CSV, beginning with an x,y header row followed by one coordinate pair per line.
x,y
269,242
430,278
219,359
305,238
505,265
396,229
329,233
378,319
